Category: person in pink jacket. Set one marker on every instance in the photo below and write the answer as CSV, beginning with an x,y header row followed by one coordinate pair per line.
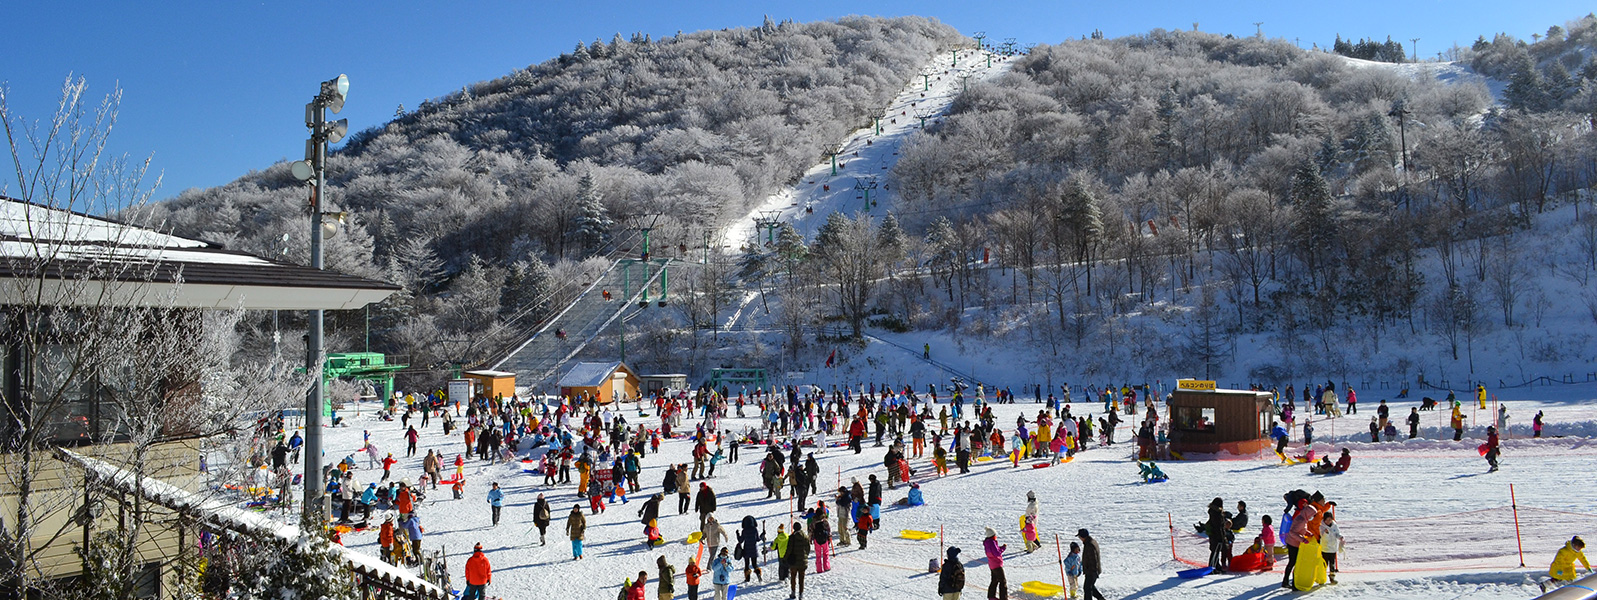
x,y
998,586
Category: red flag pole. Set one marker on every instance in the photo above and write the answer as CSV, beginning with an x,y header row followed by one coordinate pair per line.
x,y
1512,502
1172,521
1057,549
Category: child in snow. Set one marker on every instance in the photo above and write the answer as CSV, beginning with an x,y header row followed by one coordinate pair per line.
x,y
1267,538
1029,533
459,488
1330,543
1563,568
1073,567
863,527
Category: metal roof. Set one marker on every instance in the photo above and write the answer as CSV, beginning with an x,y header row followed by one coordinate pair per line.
x,y
83,260
589,374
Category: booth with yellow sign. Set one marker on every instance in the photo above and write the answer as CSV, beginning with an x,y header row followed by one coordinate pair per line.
x,y
1205,419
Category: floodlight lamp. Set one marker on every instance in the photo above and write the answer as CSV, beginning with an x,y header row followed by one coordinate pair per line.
x,y
337,131
302,170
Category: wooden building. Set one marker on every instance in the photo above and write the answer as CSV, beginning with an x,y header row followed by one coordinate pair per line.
x,y
492,384
1208,420
605,381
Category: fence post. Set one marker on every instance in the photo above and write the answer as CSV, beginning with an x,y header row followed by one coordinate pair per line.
x,y
1517,539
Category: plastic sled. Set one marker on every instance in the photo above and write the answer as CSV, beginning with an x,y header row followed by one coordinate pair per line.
x,y
1194,573
1042,465
1041,589
984,459
693,538
1156,480
1176,455
1481,449
343,528
732,592
912,534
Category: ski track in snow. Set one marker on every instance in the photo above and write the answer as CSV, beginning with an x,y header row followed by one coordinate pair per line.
x,y
860,159
1426,482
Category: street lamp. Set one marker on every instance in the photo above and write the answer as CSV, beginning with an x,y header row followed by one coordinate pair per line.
x,y
314,171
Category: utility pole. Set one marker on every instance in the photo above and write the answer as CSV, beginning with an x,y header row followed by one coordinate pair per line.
x,y
1258,28
314,169
1416,43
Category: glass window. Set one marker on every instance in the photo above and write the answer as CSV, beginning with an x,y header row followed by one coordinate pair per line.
x,y
1192,418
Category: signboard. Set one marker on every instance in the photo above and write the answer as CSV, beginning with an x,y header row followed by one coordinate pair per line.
x,y
1194,384
460,391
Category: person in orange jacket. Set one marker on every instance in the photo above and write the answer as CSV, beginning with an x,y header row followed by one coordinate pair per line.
x,y
385,538
478,575
693,573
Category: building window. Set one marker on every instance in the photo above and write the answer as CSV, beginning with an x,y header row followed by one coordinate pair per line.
x,y
1193,418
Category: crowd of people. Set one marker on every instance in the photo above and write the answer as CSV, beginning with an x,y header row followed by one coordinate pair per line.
x,y
608,447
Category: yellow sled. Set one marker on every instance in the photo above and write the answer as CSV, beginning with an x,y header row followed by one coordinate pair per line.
x,y
693,538
1041,589
912,534
984,459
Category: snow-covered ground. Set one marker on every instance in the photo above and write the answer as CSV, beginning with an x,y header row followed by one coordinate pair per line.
x,y
867,155
1451,73
1422,518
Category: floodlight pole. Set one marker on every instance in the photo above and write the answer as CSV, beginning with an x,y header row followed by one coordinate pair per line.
x,y
314,352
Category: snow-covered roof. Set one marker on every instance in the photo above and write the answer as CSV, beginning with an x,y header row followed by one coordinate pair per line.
x,y
589,374
86,260
222,513
490,373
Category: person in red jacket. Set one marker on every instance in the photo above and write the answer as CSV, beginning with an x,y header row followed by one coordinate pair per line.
x,y
635,589
478,575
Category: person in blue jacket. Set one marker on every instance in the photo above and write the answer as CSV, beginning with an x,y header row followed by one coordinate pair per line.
x,y
721,573
496,499
1279,433
368,499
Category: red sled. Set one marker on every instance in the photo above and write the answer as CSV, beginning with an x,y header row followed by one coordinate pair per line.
x,y
1481,449
1042,465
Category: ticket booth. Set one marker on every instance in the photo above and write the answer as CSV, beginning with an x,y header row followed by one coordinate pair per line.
x,y
1207,420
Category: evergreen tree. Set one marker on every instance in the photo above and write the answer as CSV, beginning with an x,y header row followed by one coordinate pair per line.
x,y
1314,229
526,293
890,241
591,225
1526,90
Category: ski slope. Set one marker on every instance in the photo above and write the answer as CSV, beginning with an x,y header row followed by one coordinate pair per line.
x,y
865,154
1422,518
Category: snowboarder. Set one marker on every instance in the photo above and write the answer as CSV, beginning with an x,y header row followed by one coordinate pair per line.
x,y
1563,570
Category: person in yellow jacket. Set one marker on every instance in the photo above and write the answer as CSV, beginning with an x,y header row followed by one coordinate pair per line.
x,y
1563,569
1480,395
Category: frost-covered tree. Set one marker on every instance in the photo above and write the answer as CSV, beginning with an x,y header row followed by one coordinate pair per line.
x,y
592,223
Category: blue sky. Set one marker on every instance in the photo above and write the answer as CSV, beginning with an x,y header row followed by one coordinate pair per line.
x,y
214,89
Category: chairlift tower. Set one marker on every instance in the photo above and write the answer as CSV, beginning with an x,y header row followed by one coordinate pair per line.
x,y
980,36
832,154
866,184
923,115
